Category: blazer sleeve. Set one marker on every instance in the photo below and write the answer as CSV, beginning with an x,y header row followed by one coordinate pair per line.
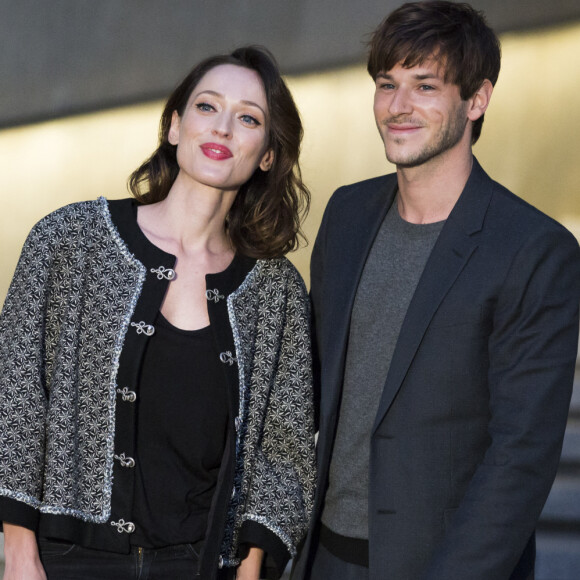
x,y
279,508
23,397
532,356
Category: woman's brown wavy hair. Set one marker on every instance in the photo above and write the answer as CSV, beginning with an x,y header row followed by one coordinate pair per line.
x,y
265,218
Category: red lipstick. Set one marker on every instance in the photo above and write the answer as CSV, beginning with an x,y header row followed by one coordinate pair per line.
x,y
216,151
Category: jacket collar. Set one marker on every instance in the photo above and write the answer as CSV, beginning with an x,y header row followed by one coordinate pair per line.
x,y
124,217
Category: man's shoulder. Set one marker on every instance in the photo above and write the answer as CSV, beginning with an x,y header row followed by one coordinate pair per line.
x,y
520,216
373,184
507,217
368,192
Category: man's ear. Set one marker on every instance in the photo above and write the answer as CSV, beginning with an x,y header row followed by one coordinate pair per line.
x,y
173,135
267,160
480,100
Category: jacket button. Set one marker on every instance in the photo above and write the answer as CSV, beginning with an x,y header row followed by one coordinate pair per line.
x,y
143,328
227,357
125,461
127,395
124,527
214,295
164,273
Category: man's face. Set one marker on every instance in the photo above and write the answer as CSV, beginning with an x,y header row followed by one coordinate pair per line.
x,y
420,117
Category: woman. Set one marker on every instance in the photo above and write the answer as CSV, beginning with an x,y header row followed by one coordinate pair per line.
x,y
155,372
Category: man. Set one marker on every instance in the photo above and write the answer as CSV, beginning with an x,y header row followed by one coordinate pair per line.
x,y
446,316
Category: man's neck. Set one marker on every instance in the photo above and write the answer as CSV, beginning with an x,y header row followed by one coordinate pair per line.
x,y
428,193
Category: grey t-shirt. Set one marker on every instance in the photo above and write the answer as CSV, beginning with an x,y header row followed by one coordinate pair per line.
x,y
391,273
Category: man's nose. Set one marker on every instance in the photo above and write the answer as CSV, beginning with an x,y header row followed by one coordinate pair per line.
x,y
400,102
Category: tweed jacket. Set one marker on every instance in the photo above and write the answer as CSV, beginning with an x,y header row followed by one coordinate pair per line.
x,y
72,333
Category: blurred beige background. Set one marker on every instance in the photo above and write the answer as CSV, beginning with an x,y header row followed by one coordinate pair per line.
x,y
530,143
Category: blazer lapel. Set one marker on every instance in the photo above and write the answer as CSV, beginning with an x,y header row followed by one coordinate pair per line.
x,y
455,245
358,224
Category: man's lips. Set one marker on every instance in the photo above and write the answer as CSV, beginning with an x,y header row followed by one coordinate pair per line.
x,y
400,128
216,151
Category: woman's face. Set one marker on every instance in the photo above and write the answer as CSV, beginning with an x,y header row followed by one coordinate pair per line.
x,y
222,136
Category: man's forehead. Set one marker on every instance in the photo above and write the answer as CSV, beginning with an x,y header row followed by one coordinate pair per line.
x,y
427,68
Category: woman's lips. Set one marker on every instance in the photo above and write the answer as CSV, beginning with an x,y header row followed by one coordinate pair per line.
x,y
216,151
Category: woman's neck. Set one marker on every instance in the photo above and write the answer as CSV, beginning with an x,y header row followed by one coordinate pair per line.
x,y
188,221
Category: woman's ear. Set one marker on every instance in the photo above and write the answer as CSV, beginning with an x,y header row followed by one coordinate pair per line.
x,y
173,135
267,160
480,100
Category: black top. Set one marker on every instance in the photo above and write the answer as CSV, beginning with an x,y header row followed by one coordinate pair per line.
x,y
181,430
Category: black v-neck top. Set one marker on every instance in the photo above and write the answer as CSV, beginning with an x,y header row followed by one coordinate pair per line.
x,y
181,432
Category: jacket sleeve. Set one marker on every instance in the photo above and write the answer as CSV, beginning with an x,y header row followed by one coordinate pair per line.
x,y
532,356
280,501
22,383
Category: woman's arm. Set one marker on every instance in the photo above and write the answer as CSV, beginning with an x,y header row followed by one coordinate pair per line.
x,y
21,554
249,568
279,500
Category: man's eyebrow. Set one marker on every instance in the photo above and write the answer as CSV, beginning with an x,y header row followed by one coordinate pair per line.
x,y
425,76
417,76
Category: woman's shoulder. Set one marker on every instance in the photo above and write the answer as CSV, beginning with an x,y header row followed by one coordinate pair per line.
x,y
278,276
72,214
281,268
81,224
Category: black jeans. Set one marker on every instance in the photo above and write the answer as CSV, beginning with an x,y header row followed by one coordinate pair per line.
x,y
326,566
64,561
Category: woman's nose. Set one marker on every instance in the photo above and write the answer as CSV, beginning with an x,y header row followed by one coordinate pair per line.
x,y
223,126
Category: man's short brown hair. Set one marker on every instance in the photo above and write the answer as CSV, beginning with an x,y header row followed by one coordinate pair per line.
x,y
453,33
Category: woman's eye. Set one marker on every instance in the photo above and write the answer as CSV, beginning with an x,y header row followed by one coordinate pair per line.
x,y
426,87
249,120
205,107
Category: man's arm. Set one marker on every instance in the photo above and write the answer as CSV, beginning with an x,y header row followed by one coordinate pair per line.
x,y
532,355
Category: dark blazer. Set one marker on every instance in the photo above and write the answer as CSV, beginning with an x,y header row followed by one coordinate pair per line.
x,y
469,429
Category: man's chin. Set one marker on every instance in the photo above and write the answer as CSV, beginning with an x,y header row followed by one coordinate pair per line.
x,y
407,161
